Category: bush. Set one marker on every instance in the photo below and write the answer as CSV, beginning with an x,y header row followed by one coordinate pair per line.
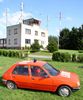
x,y
12,53
52,46
35,46
56,56
74,58
63,57
80,51
80,58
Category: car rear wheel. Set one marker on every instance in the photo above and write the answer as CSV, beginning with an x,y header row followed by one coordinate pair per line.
x,y
11,85
64,91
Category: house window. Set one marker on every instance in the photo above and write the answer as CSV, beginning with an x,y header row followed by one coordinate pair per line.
x,y
36,33
9,42
27,41
35,40
15,31
42,42
9,32
27,31
42,34
1,41
15,41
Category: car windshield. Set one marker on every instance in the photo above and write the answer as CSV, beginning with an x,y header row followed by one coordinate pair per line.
x,y
51,70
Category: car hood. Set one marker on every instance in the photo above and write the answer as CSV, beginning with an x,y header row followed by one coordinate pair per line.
x,y
70,76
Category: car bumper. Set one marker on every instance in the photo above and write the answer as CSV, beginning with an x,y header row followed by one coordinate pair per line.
x,y
76,89
4,81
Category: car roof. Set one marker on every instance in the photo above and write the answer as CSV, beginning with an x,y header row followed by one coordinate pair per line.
x,y
35,63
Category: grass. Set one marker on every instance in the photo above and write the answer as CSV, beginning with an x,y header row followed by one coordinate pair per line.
x,y
46,53
24,94
43,53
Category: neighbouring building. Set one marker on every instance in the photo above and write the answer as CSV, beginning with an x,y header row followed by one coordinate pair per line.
x,y
3,43
24,34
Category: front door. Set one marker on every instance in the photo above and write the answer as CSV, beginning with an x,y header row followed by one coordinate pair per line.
x,y
40,79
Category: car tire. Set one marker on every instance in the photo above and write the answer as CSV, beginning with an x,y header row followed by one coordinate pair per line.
x,y
11,85
64,91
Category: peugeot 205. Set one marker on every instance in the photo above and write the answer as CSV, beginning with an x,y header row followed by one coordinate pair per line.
x,y
40,75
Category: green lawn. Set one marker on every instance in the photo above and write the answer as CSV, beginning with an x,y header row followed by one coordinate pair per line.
x,y
24,94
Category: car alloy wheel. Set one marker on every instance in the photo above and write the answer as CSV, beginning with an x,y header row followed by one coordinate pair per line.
x,y
11,85
64,91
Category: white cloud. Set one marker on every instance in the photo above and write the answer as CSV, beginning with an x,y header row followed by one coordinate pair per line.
x,y
12,18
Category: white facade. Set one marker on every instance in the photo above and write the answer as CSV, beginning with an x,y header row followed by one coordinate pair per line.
x,y
22,35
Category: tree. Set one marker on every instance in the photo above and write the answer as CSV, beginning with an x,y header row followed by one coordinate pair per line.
x,y
35,46
52,44
71,39
64,38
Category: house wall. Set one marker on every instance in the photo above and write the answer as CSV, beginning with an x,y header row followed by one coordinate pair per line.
x,y
12,36
22,35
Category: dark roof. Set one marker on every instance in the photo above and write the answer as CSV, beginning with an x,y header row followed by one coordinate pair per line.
x,y
31,21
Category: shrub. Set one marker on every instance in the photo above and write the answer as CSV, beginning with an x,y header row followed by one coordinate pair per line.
x,y
80,51
74,58
35,46
52,46
56,56
63,57
80,58
12,53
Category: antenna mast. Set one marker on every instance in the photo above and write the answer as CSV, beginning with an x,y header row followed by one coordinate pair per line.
x,y
47,22
6,15
60,17
21,9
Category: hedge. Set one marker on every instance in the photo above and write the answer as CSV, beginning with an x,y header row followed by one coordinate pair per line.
x,y
80,58
63,57
12,53
66,57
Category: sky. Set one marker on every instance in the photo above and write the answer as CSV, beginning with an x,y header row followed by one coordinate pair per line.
x,y
47,11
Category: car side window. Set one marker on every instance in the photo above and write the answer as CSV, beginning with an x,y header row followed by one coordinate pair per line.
x,y
37,71
21,70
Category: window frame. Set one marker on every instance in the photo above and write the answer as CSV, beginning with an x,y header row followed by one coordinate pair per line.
x,y
36,33
28,31
15,41
45,74
15,31
22,66
43,34
28,41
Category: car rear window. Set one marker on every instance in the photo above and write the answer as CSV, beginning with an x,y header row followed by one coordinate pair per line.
x,y
21,70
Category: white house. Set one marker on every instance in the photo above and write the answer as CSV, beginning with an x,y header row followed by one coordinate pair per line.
x,y
24,34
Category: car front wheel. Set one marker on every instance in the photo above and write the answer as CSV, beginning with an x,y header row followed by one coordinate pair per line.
x,y
64,91
11,85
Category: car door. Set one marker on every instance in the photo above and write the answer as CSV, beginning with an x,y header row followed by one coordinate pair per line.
x,y
40,79
20,76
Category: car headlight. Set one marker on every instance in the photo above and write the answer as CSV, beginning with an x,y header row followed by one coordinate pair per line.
x,y
78,83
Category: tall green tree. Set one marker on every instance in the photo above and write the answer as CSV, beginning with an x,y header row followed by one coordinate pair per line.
x,y
52,44
71,39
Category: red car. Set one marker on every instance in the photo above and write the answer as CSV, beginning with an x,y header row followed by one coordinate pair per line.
x,y
40,75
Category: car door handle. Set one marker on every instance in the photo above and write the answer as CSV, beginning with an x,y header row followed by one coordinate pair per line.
x,y
33,78
13,76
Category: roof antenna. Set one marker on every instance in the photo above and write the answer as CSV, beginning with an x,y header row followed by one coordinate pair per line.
x,y
34,60
21,9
